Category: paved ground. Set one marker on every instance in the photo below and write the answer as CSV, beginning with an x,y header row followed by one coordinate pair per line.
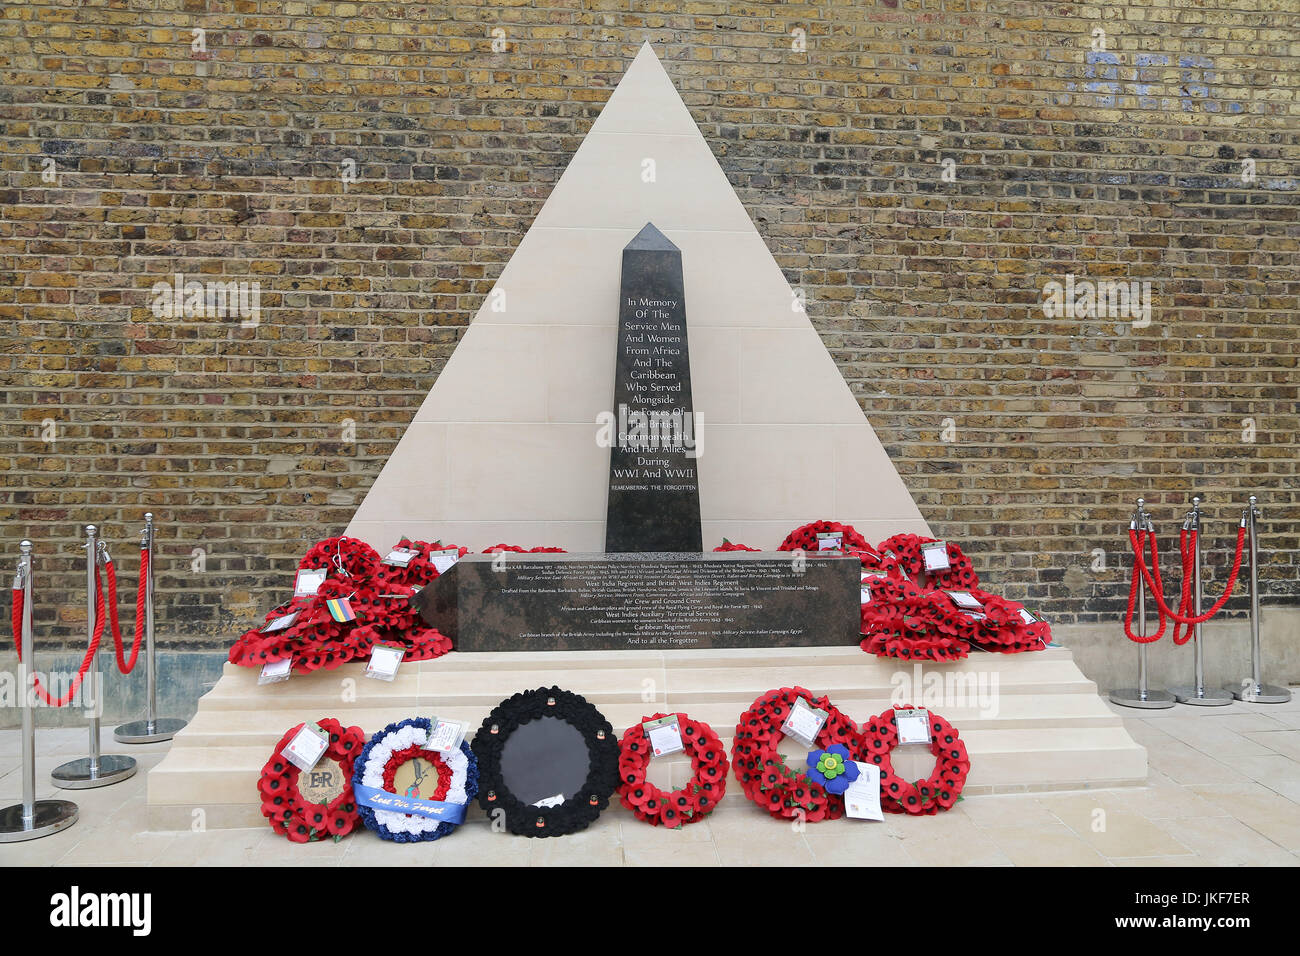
x,y
1224,790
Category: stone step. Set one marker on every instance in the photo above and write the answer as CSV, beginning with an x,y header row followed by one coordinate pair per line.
x,y
570,661
1046,727
1001,759
418,684
254,728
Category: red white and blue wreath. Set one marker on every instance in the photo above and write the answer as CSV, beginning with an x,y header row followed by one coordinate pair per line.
x,y
421,813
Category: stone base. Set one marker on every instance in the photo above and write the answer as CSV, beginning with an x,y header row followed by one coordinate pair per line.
x,y
1030,721
1100,651
1111,660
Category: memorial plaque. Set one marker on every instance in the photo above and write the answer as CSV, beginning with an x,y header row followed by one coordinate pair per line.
x,y
577,602
654,492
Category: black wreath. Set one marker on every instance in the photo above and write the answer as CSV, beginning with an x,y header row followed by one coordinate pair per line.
x,y
580,810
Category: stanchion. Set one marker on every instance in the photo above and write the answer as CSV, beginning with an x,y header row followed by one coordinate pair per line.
x,y
96,770
32,818
1199,695
1252,689
153,728
1142,696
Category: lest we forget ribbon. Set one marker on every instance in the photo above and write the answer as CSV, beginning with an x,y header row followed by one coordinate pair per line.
x,y
378,799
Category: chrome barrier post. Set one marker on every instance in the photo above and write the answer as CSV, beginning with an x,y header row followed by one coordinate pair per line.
x,y
1142,696
96,770
1252,689
32,818
153,729
1199,695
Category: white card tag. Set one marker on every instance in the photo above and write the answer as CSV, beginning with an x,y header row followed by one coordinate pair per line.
x,y
279,623
913,726
308,581
384,661
400,557
665,735
804,723
554,801
275,671
862,799
830,540
935,554
869,578
1027,617
447,735
307,747
442,560
965,600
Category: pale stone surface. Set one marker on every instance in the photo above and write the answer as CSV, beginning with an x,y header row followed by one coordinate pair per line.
x,y
1048,845
504,446
1161,824
1043,728
1106,656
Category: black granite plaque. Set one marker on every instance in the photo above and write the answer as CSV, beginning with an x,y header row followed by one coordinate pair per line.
x,y
654,492
578,602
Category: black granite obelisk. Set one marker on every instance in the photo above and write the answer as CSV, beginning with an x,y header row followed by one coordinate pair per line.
x,y
654,492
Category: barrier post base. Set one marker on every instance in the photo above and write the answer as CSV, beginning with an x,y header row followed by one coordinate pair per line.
x,y
1253,693
1147,700
1201,696
48,816
81,775
148,731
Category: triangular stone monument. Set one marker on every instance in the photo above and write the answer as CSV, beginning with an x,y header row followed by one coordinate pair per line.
x,y
504,447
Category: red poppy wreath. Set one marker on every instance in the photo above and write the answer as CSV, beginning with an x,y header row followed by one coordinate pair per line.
x,y
937,792
763,773
728,545
805,537
691,803
902,620
362,602
907,549
283,803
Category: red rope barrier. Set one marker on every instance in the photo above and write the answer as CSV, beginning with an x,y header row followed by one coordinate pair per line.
x,y
123,664
1187,547
91,651
1185,592
1134,584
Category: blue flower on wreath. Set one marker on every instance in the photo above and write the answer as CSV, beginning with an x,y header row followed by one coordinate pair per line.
x,y
833,768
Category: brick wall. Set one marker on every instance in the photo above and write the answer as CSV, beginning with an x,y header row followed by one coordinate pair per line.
x,y
372,166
